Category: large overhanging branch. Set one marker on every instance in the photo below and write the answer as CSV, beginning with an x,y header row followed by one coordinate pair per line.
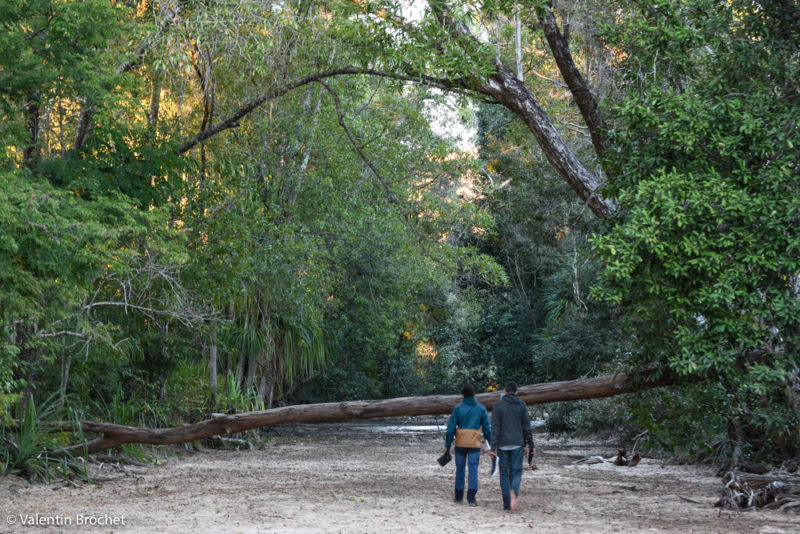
x,y
223,424
501,85
232,120
504,86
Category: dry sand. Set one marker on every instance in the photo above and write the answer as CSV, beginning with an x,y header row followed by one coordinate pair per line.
x,y
352,479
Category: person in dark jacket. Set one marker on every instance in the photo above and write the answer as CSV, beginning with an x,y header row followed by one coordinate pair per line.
x,y
465,425
511,440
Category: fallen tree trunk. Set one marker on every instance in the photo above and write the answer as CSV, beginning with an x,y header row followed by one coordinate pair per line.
x,y
223,424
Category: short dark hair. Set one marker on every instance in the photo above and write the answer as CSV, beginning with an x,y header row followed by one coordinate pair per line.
x,y
468,390
511,387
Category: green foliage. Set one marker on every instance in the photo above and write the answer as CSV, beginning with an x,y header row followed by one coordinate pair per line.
x,y
234,398
10,386
7,400
699,435
280,246
33,451
55,247
539,326
56,51
52,243
607,418
344,381
704,255
324,248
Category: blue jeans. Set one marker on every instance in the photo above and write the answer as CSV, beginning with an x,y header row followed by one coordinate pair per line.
x,y
510,473
464,456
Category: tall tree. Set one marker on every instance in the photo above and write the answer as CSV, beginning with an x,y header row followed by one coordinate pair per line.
x,y
704,253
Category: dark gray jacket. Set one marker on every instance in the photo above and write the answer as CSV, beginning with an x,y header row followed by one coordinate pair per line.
x,y
511,424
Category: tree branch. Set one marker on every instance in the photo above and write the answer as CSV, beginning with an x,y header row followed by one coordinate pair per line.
x,y
224,424
364,157
232,121
504,86
61,333
501,85
184,318
584,98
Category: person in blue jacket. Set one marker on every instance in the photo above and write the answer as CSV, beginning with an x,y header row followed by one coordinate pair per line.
x,y
466,422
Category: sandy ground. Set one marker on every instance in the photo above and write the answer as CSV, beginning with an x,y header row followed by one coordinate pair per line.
x,y
352,479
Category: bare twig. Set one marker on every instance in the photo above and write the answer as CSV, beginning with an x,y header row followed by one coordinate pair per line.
x,y
61,333
392,196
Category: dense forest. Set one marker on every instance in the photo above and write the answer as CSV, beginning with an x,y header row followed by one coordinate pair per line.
x,y
221,206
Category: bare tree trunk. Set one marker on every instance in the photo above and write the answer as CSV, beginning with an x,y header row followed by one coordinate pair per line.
x,y
155,106
518,44
263,384
203,66
587,104
45,127
271,395
212,369
84,125
252,366
64,379
31,152
240,368
588,388
504,87
296,180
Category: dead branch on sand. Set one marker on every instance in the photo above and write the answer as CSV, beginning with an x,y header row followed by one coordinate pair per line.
x,y
748,491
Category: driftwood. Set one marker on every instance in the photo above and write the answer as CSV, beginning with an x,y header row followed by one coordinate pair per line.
x,y
756,480
622,459
226,424
591,460
748,491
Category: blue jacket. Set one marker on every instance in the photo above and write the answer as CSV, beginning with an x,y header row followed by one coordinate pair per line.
x,y
468,414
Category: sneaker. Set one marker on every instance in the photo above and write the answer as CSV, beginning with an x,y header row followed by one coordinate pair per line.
x,y
473,503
